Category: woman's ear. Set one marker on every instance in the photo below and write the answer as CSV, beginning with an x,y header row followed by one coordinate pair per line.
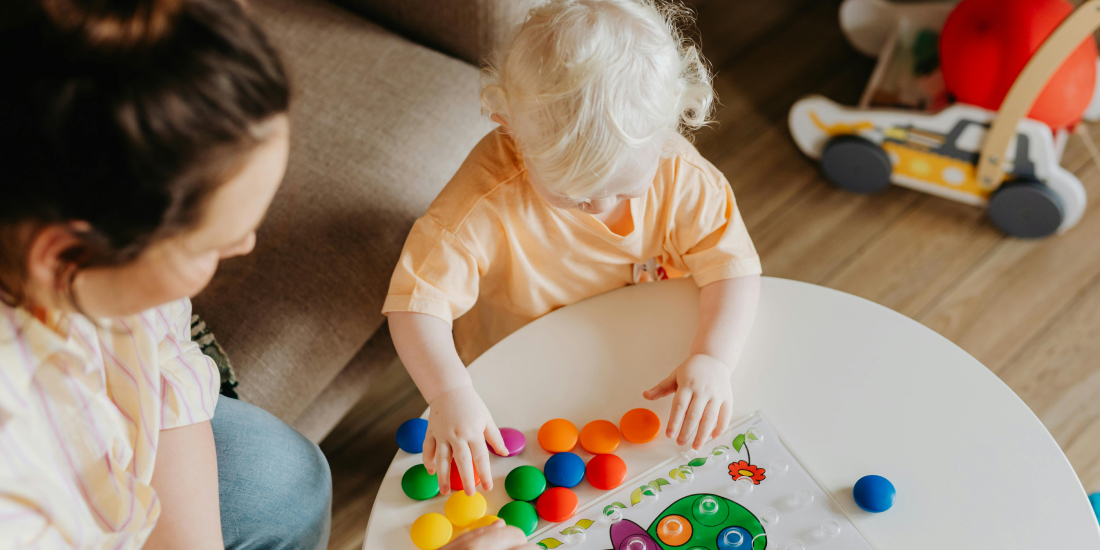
x,y
46,270
503,122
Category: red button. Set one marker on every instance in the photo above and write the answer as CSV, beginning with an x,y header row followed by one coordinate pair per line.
x,y
456,481
605,471
557,504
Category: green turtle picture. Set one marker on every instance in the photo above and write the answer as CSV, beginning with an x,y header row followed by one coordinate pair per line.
x,y
695,522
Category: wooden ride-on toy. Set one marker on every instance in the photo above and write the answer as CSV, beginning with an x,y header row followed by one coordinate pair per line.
x,y
997,159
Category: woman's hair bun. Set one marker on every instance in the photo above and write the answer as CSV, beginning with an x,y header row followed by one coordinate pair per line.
x,y
113,24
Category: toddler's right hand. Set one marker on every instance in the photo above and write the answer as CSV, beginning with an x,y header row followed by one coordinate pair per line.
x,y
497,536
459,426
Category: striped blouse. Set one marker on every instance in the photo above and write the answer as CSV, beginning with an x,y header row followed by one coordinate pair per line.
x,y
82,404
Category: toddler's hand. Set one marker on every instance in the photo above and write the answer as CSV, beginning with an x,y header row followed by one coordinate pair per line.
x,y
703,402
497,536
458,427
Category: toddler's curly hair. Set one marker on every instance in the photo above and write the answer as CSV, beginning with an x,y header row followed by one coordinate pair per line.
x,y
583,81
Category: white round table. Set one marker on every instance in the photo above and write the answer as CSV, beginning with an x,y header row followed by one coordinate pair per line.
x,y
854,388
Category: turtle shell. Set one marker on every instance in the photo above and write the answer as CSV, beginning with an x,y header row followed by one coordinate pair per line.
x,y
706,521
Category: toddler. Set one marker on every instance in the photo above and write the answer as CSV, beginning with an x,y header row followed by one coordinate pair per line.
x,y
586,186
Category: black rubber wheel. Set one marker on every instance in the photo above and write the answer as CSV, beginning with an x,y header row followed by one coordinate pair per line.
x,y
856,164
1026,209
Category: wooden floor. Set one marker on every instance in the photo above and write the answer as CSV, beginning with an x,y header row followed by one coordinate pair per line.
x,y
1028,310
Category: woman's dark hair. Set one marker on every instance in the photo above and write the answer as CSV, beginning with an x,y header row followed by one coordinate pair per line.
x,y
126,115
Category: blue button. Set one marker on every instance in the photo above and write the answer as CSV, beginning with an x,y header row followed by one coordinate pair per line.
x,y
410,436
564,470
734,538
874,493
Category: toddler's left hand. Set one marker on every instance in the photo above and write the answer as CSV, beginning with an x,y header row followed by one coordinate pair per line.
x,y
703,402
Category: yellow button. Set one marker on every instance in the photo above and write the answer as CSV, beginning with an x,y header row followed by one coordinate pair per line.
x,y
463,510
430,531
485,521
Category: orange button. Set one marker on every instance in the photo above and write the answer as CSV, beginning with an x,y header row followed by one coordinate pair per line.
x,y
558,436
674,530
640,425
600,437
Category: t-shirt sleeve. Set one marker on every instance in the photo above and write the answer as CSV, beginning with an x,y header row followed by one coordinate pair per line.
x,y
707,236
437,274
189,379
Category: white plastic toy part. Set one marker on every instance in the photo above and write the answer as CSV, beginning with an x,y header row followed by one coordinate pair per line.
x,y
801,499
811,115
769,516
829,529
743,486
868,24
574,535
778,467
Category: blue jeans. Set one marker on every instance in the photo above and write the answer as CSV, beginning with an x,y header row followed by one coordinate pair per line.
x,y
274,484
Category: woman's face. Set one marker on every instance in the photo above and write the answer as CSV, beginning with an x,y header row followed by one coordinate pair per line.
x,y
183,265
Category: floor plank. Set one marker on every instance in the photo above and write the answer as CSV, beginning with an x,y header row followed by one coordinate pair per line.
x,y
1058,376
919,256
1020,287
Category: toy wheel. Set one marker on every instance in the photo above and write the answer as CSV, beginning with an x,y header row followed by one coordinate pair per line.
x,y
1026,209
856,164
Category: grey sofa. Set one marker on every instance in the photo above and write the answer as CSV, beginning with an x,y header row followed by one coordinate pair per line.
x,y
385,108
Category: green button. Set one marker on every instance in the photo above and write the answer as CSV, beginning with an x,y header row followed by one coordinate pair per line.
x,y
520,514
525,483
418,484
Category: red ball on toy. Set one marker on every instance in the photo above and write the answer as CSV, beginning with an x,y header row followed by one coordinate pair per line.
x,y
986,43
456,478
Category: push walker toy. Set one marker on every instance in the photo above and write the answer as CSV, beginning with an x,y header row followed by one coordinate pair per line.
x,y
993,158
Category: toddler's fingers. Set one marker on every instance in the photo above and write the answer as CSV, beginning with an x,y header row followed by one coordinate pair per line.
x,y
679,407
663,388
497,536
706,425
493,437
443,467
429,453
723,419
481,464
464,462
691,419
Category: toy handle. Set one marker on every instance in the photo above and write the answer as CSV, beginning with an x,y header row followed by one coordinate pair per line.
x,y
1050,56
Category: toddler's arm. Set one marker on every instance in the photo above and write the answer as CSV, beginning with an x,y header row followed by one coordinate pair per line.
x,y
704,397
459,424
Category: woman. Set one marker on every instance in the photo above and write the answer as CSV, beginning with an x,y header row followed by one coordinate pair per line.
x,y
145,140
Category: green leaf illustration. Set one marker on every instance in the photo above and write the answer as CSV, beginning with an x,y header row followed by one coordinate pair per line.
x,y
656,483
752,436
739,442
549,543
636,496
696,462
584,523
618,505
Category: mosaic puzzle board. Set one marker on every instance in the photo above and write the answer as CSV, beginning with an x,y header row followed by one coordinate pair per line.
x,y
743,491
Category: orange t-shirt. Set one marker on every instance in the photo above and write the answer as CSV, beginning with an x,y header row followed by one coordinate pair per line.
x,y
492,255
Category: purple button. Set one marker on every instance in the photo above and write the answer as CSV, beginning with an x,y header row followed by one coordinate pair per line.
x,y
513,439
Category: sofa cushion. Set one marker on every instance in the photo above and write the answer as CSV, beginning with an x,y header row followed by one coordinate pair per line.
x,y
379,124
